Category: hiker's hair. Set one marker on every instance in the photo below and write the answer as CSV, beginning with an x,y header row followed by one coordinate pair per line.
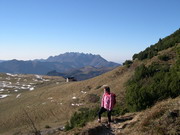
x,y
107,89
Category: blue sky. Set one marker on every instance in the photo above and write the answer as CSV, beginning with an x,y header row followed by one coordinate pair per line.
x,y
115,29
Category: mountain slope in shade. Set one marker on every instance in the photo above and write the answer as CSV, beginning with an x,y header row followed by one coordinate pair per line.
x,y
81,73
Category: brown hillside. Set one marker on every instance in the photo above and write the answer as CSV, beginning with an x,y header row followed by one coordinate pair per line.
x,y
53,102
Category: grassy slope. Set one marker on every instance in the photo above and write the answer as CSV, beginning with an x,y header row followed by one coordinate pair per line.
x,y
50,104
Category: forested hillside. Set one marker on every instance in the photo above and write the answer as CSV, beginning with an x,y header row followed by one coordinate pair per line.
x,y
164,43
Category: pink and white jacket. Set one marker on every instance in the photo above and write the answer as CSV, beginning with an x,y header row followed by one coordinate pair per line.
x,y
108,101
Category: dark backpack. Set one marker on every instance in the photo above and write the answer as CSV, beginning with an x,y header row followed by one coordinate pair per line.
x,y
113,96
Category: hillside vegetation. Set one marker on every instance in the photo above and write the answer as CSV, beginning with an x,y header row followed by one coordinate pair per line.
x,y
155,82
162,44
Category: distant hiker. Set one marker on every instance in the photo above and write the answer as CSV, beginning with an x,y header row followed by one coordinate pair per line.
x,y
108,101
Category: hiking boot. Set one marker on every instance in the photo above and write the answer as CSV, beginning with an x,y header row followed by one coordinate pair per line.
x,y
108,125
99,120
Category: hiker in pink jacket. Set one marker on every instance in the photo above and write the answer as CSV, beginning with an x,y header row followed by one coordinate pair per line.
x,y
107,103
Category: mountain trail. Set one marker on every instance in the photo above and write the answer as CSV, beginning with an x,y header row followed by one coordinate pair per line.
x,y
117,127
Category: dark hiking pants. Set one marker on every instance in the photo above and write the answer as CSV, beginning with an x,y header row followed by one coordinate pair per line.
x,y
102,110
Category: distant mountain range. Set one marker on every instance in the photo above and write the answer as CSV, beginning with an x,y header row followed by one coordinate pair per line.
x,y
67,64
2,61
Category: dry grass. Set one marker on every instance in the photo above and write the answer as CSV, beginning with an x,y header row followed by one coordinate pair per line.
x,y
51,102
163,118
160,119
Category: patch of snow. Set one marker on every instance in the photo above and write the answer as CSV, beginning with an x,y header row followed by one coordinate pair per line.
x,y
44,103
18,95
50,98
62,128
1,89
23,88
84,92
9,74
57,82
38,77
46,80
32,88
16,90
28,86
80,104
74,97
7,86
3,96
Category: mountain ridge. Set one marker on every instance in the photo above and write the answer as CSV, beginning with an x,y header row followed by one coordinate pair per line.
x,y
61,63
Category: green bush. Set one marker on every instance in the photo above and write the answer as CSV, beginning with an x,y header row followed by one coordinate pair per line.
x,y
47,126
80,118
163,57
119,110
153,83
128,63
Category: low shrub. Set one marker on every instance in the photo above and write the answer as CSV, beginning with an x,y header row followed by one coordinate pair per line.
x,y
128,63
47,126
80,118
163,57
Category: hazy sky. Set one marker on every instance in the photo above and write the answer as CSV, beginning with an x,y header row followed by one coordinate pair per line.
x,y
115,29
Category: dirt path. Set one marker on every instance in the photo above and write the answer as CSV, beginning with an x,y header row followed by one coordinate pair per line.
x,y
117,127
